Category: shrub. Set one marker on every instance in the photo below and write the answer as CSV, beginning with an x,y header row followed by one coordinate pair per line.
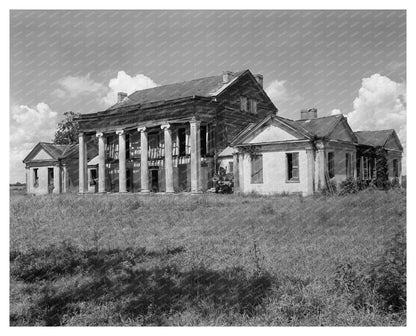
x,y
388,275
395,183
330,188
361,184
382,285
349,186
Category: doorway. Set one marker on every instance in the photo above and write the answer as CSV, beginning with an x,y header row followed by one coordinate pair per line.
x,y
50,180
154,175
129,180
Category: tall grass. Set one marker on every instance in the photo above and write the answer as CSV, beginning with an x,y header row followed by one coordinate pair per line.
x,y
208,260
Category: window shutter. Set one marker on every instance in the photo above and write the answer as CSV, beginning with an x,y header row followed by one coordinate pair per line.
x,y
331,172
254,106
295,166
243,103
257,169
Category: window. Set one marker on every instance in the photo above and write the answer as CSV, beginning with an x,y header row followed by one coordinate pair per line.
x,y
331,167
395,168
203,136
182,141
127,146
348,164
243,104
253,106
257,168
93,176
365,168
231,167
35,177
292,167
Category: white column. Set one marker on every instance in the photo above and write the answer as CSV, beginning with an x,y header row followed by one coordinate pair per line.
x,y
195,156
311,171
28,180
101,161
56,180
168,158
65,179
320,168
121,161
354,165
241,185
144,166
236,172
82,183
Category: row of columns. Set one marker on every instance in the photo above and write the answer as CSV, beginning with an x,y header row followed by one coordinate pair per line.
x,y
102,140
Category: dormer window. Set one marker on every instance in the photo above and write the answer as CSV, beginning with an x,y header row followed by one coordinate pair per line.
x,y
248,104
253,106
243,103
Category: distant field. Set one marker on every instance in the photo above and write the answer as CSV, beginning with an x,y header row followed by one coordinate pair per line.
x,y
208,260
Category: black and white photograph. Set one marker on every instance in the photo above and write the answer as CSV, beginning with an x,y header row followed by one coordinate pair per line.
x,y
207,167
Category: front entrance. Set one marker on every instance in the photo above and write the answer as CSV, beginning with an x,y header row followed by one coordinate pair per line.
x,y
129,180
154,175
50,180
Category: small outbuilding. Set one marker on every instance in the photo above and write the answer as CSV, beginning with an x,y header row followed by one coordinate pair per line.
x,y
280,155
46,168
53,169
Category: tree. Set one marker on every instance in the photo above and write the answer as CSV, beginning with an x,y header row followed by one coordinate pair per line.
x,y
67,132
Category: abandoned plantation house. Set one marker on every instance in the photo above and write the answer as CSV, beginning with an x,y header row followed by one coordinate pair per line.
x,y
176,137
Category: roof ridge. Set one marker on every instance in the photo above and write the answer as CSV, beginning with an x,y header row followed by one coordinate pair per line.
x,y
329,116
187,81
383,130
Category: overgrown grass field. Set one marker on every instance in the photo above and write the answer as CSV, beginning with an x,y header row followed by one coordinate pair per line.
x,y
208,260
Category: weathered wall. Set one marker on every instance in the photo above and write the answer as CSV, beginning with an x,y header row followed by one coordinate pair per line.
x,y
340,151
42,188
274,174
390,157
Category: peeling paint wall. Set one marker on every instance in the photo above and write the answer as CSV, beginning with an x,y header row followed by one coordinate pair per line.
x,y
275,174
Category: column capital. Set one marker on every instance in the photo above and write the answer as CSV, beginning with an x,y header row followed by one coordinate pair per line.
x,y
165,126
141,129
120,132
195,121
99,134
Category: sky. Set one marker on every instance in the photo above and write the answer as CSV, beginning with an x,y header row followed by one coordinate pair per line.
x,y
350,62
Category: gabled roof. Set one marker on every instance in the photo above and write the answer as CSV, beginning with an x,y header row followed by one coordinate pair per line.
x,y
376,138
228,151
94,161
202,87
320,127
306,128
55,151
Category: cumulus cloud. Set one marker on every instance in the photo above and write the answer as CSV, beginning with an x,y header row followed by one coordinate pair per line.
x,y
380,104
74,86
335,111
279,92
128,84
28,126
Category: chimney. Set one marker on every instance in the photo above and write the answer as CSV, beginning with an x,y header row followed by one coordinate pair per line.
x,y
259,79
311,113
226,76
121,96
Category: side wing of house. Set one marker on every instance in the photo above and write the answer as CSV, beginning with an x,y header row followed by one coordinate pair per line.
x,y
42,170
394,155
341,152
275,158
